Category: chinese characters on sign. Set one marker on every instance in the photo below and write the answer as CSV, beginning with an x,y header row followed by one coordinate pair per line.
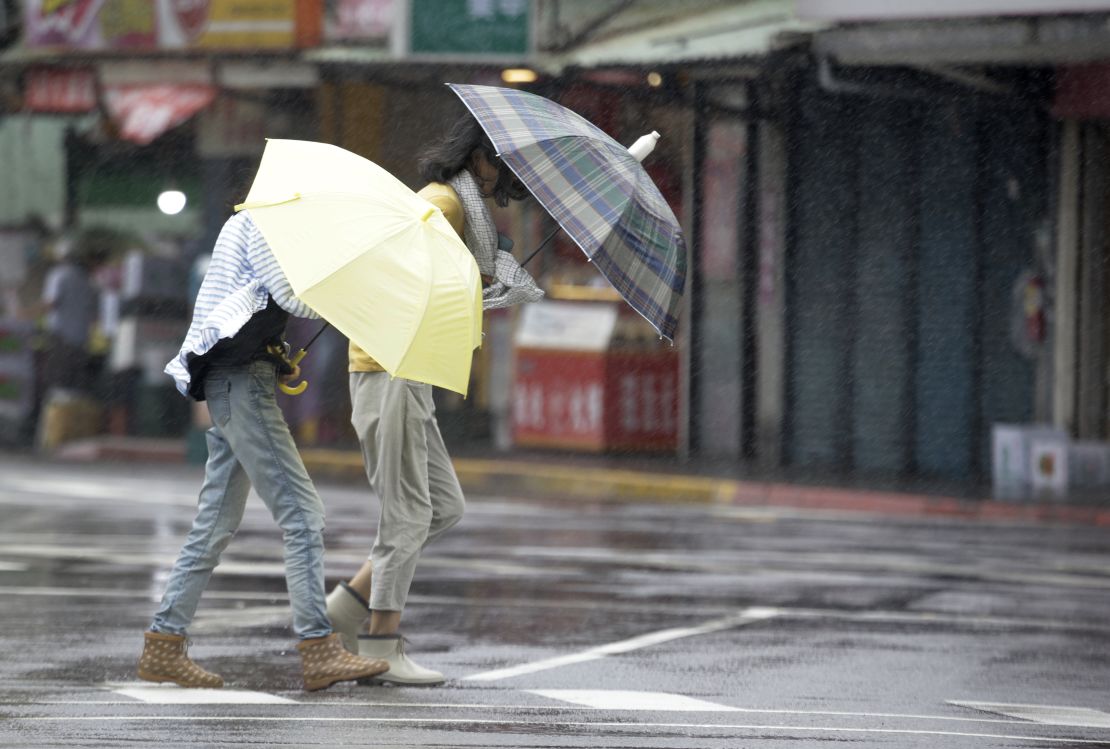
x,y
597,402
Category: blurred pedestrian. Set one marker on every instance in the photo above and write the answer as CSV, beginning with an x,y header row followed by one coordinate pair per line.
x,y
403,451
232,358
71,305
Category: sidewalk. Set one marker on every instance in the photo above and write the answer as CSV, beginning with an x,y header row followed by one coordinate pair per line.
x,y
664,479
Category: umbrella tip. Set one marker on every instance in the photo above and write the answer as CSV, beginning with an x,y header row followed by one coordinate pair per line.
x,y
427,214
644,145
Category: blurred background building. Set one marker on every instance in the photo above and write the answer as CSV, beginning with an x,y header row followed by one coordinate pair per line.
x,y
896,213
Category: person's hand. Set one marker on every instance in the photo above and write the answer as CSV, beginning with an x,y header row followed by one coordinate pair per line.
x,y
295,374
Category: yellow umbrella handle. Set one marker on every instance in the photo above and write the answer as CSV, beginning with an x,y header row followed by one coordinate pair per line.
x,y
299,388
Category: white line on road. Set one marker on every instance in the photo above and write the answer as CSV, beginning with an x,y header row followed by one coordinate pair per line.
x,y
620,725
620,699
1056,715
174,695
747,616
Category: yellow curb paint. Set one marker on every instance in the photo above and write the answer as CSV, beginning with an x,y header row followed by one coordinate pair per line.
x,y
576,481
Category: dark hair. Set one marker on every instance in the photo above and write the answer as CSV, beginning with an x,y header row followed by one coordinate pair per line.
x,y
452,153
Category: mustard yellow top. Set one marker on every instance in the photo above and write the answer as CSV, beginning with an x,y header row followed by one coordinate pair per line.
x,y
444,198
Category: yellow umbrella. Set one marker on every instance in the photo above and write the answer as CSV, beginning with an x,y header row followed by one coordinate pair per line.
x,y
373,258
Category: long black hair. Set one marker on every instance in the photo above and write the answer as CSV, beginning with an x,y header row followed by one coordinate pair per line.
x,y
452,153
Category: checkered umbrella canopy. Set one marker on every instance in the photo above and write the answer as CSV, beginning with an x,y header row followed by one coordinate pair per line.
x,y
597,192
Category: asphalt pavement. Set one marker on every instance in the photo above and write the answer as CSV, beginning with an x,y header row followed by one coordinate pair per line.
x,y
562,623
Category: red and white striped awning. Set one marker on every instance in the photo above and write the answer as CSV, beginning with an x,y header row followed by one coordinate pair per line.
x,y
145,111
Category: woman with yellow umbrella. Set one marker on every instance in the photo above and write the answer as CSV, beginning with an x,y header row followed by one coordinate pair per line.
x,y
226,359
405,458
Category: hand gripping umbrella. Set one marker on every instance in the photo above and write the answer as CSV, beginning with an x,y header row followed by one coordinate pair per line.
x,y
596,191
374,259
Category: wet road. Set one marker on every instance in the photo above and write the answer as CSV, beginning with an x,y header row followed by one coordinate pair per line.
x,y
565,625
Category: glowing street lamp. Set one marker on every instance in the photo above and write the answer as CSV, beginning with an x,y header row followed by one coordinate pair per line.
x,y
171,202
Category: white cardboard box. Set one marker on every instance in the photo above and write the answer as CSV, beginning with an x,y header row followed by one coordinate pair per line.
x,y
1011,459
1048,458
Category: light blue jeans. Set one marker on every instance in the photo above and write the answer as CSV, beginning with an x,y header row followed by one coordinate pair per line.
x,y
250,444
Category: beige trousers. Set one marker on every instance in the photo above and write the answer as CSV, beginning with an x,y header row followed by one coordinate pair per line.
x,y
410,471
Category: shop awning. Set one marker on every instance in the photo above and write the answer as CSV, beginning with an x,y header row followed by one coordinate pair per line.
x,y
717,33
142,112
1048,40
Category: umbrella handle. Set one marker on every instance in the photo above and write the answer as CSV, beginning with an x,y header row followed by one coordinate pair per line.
x,y
300,387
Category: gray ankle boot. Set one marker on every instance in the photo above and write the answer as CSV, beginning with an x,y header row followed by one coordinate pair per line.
x,y
347,611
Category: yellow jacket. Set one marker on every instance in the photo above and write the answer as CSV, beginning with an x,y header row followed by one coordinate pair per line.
x,y
444,198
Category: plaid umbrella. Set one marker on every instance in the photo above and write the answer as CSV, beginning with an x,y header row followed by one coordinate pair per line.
x,y
597,192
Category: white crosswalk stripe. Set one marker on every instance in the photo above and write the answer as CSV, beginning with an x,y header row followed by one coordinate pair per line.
x,y
616,699
170,694
1055,715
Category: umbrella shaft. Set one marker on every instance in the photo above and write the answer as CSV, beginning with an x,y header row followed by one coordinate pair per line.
x,y
542,245
318,333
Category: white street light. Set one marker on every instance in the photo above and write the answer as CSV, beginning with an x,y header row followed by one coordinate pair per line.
x,y
171,202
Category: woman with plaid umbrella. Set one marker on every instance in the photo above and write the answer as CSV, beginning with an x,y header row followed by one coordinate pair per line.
x,y
403,451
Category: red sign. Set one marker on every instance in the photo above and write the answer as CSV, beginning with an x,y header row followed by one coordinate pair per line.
x,y
191,15
596,401
60,91
558,399
68,22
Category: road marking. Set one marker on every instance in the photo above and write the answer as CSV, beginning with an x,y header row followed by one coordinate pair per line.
x,y
617,699
747,616
620,725
1056,715
170,694
14,566
331,702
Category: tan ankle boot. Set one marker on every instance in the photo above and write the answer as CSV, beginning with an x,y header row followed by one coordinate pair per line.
x,y
325,661
165,658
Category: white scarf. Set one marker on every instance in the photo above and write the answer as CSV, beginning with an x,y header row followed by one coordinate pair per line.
x,y
479,231
512,284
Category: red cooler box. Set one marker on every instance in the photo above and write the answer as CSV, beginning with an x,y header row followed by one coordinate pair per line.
x,y
593,376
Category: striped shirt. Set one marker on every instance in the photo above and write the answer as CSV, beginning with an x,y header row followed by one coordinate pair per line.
x,y
242,274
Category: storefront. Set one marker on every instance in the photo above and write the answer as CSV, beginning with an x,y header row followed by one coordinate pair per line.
x,y
137,119
934,301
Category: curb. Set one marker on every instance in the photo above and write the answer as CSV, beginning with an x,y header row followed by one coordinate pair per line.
x,y
604,484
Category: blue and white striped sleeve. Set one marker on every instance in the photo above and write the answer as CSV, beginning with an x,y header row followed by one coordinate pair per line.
x,y
267,270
